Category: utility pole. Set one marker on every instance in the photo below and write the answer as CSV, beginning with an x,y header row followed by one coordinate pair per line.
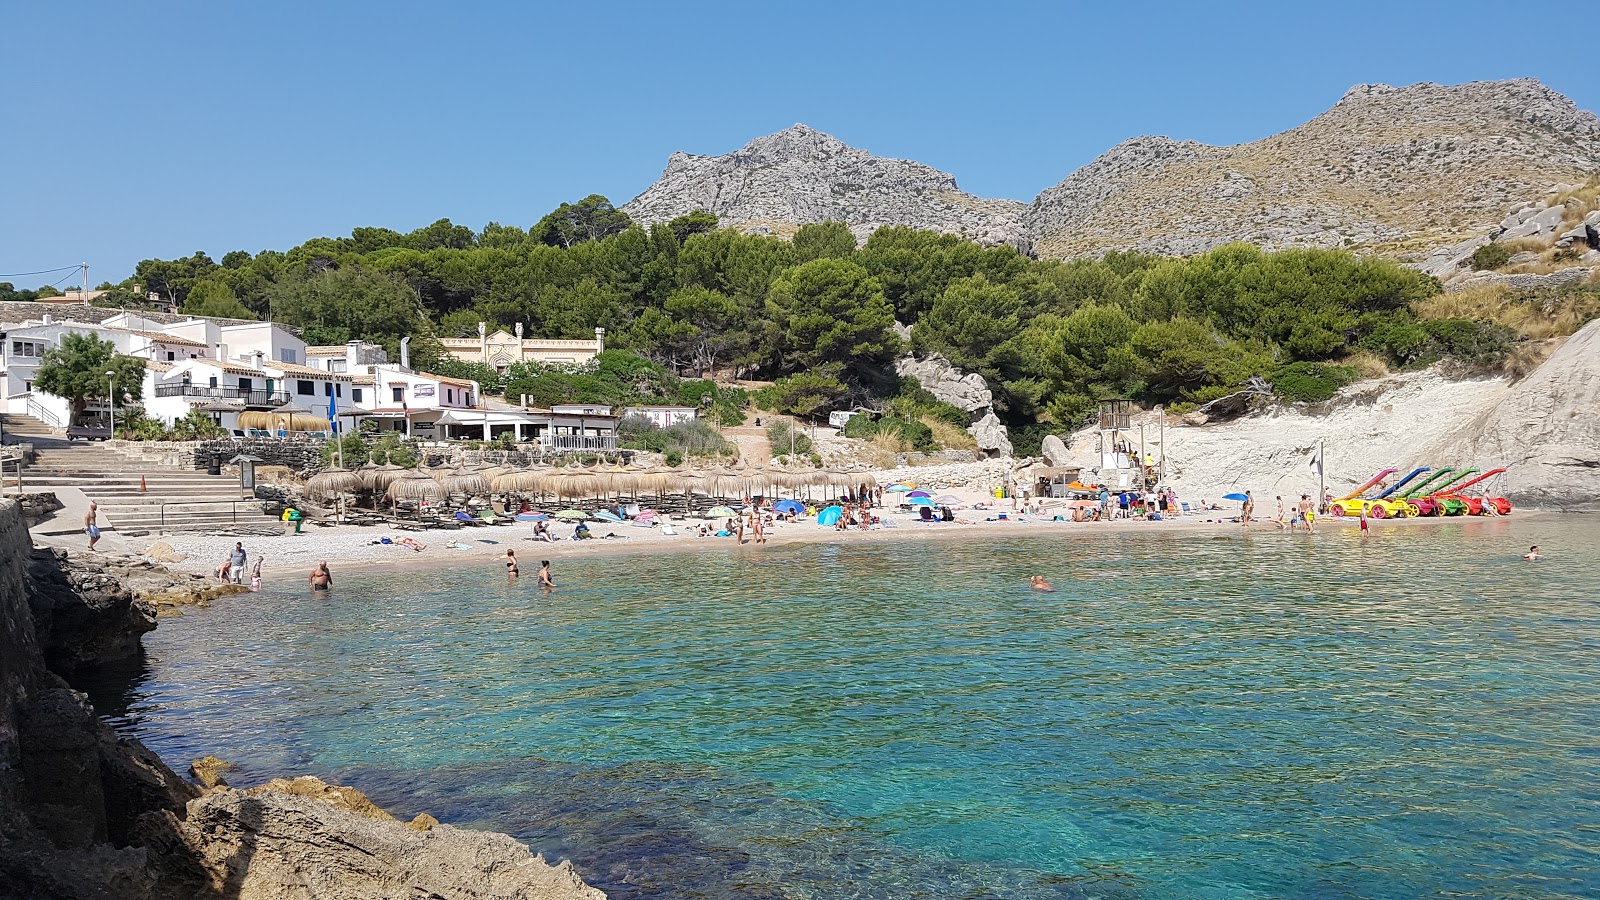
x,y
85,267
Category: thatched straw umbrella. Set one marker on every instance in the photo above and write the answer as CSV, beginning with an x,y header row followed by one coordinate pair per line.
x,y
332,482
413,485
378,478
462,481
518,482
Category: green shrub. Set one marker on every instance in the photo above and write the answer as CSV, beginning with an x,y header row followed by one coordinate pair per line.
x,y
196,426
861,427
695,437
1309,381
1027,439
780,432
1490,256
674,458
1480,343
804,394
354,446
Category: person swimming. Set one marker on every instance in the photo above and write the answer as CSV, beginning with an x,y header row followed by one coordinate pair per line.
x,y
1038,583
1532,554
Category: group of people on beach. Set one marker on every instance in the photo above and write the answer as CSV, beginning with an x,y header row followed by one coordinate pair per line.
x,y
1302,514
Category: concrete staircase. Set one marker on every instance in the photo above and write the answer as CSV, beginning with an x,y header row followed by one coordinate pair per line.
x,y
20,429
137,498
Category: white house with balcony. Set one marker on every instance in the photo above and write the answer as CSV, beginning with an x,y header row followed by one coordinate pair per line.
x,y
23,349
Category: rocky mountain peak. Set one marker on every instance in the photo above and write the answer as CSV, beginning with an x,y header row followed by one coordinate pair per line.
x,y
1394,169
800,175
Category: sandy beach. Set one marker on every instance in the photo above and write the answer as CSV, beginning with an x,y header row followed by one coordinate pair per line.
x,y
361,548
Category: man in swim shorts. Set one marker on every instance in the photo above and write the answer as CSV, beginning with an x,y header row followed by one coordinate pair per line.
x,y
321,579
91,524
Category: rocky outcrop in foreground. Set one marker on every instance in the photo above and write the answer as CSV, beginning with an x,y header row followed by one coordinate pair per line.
x,y
799,176
270,843
1546,431
86,814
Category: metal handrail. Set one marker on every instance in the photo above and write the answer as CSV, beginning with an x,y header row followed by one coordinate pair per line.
x,y
234,504
37,410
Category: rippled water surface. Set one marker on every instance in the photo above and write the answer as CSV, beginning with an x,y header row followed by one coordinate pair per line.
x,y
1188,716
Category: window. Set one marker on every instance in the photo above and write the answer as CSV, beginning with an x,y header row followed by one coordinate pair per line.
x,y
336,365
213,381
286,354
327,389
171,356
305,388
338,390
355,395
246,385
449,395
399,393
29,349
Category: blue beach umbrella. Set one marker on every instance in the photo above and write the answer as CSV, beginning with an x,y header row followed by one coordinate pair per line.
x,y
921,501
919,494
1239,497
789,506
830,516
898,488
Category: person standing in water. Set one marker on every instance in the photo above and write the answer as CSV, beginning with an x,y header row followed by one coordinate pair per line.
x,y
91,524
1365,528
511,563
321,579
544,576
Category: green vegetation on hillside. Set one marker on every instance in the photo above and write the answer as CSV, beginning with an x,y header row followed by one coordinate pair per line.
x,y
817,314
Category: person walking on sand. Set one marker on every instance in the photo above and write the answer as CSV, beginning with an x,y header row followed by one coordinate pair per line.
x,y
1278,520
321,579
511,563
1248,509
544,576
1308,514
91,524
236,563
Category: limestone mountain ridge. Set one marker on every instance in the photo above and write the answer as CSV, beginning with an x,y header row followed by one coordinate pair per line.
x,y
1397,170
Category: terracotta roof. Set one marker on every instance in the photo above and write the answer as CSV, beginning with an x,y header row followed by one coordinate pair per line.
x,y
154,366
443,380
326,350
297,369
164,338
362,379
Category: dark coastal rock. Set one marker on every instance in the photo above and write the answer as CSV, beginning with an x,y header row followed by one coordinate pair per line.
x,y
265,843
87,814
83,615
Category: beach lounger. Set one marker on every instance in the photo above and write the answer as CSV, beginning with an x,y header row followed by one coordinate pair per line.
x,y
465,518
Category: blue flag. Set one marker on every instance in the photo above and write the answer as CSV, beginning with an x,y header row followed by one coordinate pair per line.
x,y
333,412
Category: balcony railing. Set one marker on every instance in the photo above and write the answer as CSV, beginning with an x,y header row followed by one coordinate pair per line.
x,y
574,442
250,397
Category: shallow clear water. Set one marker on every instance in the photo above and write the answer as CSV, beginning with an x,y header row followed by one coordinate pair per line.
x,y
1188,716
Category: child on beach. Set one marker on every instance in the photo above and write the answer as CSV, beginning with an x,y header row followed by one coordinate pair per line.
x,y
1365,528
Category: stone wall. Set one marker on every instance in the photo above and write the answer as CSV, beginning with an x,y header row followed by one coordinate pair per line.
x,y
301,457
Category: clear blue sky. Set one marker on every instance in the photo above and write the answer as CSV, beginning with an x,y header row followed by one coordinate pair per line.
x,y
157,129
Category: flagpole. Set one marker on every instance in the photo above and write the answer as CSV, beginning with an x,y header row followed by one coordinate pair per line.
x,y
1322,465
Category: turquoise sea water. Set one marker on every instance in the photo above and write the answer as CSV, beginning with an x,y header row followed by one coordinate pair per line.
x,y
1188,716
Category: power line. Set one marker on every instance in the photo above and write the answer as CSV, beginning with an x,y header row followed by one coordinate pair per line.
x,y
41,272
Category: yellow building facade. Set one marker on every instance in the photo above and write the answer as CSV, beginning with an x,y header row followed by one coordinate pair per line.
x,y
501,350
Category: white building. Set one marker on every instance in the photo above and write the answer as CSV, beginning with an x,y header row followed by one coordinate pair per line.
x,y
663,416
